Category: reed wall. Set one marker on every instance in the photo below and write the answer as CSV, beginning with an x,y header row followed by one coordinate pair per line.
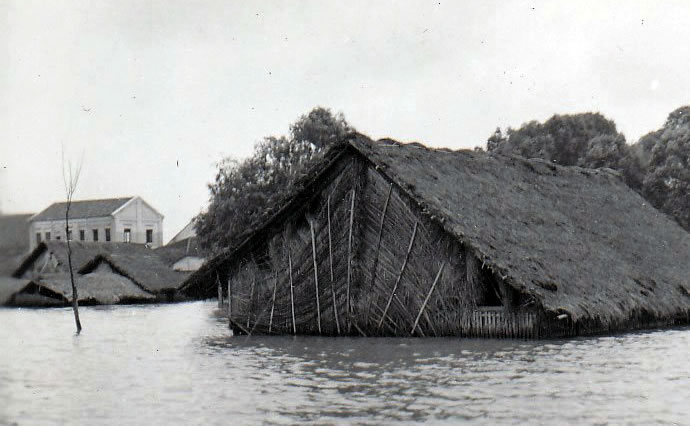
x,y
360,258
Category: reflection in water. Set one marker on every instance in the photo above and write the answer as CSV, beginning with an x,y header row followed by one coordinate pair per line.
x,y
177,364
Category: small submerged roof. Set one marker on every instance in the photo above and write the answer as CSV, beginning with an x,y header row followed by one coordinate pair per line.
x,y
136,261
579,240
82,209
145,268
103,288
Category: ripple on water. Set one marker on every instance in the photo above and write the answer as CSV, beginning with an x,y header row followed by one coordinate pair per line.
x,y
178,364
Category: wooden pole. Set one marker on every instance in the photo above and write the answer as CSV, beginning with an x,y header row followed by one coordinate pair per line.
x,y
349,260
378,240
229,297
400,274
316,275
273,302
292,295
220,291
428,296
251,297
330,258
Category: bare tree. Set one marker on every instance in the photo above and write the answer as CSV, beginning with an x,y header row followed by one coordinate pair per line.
x,y
70,178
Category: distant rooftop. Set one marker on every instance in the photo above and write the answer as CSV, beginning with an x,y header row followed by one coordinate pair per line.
x,y
82,209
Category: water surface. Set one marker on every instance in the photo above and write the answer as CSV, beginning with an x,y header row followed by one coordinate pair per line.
x,y
178,364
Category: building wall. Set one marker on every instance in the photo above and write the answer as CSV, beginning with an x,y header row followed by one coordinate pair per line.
x,y
56,228
139,217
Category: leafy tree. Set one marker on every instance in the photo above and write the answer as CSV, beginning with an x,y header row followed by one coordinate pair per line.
x,y
244,190
664,160
587,140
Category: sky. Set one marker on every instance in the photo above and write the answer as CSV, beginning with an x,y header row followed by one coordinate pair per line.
x,y
152,94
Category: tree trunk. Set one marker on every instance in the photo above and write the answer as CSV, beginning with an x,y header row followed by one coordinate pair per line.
x,y
75,295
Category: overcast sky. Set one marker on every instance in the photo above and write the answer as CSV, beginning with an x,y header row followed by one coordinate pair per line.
x,y
154,93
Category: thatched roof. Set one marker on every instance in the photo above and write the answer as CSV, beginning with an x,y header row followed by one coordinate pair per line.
x,y
145,268
82,252
82,209
141,264
105,289
578,240
14,241
9,287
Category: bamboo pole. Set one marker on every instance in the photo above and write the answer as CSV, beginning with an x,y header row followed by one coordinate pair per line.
x,y
330,263
330,242
349,260
273,302
229,297
316,275
251,297
428,296
238,325
292,295
220,292
400,274
380,234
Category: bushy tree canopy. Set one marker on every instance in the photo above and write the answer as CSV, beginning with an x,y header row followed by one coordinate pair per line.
x,y
587,140
243,190
664,158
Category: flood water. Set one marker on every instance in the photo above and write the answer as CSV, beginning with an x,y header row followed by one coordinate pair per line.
x,y
178,364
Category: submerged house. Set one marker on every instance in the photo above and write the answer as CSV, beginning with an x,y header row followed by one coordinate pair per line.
x,y
92,289
106,273
144,267
384,238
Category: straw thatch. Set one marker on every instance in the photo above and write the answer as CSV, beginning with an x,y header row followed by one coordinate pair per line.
x,y
135,261
96,288
145,268
531,236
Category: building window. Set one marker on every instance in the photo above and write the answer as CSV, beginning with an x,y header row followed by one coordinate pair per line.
x,y
38,238
149,236
69,235
82,235
47,236
57,237
95,234
128,235
107,234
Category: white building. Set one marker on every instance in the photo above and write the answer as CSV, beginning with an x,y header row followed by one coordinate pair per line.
x,y
129,220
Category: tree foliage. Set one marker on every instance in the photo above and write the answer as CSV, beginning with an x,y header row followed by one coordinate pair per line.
x,y
244,190
657,166
664,160
587,140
